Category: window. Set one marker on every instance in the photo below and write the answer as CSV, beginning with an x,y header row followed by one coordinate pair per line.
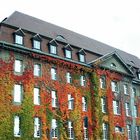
x,y
81,57
68,77
37,70
116,107
129,133
36,96
113,65
103,82
68,53
18,39
137,133
105,131
127,109
37,129
70,102
82,80
54,129
17,93
17,126
135,111
125,88
85,127
53,49
84,104
139,75
114,86
70,130
36,44
134,92
53,74
104,105
118,129
18,66
54,99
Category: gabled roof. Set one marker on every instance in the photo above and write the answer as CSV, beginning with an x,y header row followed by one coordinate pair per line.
x,y
35,25
104,58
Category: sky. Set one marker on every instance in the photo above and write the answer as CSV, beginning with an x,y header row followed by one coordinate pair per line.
x,y
113,22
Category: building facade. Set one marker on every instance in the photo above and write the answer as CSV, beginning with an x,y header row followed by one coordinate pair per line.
x,y
57,84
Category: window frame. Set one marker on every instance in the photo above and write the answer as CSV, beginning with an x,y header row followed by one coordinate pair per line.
x,y
53,73
70,102
54,99
53,49
68,77
70,130
115,86
82,80
18,39
54,129
37,70
35,46
127,109
102,82
17,89
125,89
104,104
17,133
37,127
116,107
135,111
37,99
18,66
105,131
84,104
129,131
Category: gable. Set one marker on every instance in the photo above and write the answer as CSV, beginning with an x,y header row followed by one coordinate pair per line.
x,y
114,63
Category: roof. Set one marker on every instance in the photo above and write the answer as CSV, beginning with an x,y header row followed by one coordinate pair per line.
x,y
41,27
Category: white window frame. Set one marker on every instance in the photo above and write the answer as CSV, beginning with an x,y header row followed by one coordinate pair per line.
x,y
17,132
37,70
81,57
125,88
116,107
54,99
129,132
115,86
68,53
135,111
54,129
70,102
17,93
104,105
37,127
84,104
82,80
18,66
53,49
70,130
36,44
19,39
102,82
68,77
127,109
137,131
134,91
53,74
105,131
36,96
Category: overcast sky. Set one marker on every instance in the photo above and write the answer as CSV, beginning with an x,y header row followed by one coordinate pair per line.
x,y
114,22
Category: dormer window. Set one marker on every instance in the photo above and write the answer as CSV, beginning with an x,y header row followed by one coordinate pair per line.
x,y
68,51
18,36
113,65
53,47
36,40
82,54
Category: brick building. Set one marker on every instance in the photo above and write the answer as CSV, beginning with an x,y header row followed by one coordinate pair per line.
x,y
57,84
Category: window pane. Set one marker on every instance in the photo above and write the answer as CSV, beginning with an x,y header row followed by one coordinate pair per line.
x,y
53,49
68,77
82,58
36,127
17,93
37,70
53,73
18,39
82,80
68,53
36,96
18,66
16,126
36,44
